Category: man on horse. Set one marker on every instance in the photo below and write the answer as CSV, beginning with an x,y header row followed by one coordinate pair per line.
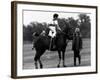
x,y
57,37
54,26
53,29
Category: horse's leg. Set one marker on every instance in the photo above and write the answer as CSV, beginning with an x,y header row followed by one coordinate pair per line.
x,y
41,66
59,54
74,61
41,52
36,58
36,65
63,58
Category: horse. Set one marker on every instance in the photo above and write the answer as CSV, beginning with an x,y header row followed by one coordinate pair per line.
x,y
43,43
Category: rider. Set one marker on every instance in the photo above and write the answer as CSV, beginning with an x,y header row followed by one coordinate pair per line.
x,y
53,28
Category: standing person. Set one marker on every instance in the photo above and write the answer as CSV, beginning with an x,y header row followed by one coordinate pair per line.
x,y
53,29
77,45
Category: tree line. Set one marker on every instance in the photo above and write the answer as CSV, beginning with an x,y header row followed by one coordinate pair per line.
x,y
83,22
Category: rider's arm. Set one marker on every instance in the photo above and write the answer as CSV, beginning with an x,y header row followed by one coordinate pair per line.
x,y
58,27
49,27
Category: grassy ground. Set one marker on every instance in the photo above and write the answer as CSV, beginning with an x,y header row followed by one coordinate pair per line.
x,y
50,59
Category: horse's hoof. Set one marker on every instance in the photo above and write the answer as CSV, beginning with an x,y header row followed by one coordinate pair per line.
x,y
64,66
79,64
41,66
36,67
74,64
58,66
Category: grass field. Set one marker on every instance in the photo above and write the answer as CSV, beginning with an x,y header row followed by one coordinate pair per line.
x,y
50,58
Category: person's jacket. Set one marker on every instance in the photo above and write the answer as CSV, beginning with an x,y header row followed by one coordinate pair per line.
x,y
77,41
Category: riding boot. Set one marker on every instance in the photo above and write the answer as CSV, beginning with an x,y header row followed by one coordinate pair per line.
x,y
54,45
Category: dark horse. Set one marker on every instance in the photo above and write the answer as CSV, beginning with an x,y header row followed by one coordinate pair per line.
x,y
43,43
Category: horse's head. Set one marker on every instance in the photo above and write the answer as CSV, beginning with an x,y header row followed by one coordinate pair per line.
x,y
68,30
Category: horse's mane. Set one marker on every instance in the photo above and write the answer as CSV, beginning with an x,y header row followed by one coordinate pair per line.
x,y
66,28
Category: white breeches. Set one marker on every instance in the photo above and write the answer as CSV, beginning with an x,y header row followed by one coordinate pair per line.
x,y
52,32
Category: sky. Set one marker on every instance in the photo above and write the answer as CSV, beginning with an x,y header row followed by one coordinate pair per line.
x,y
44,16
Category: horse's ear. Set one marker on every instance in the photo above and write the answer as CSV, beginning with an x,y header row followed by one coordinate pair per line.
x,y
33,33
